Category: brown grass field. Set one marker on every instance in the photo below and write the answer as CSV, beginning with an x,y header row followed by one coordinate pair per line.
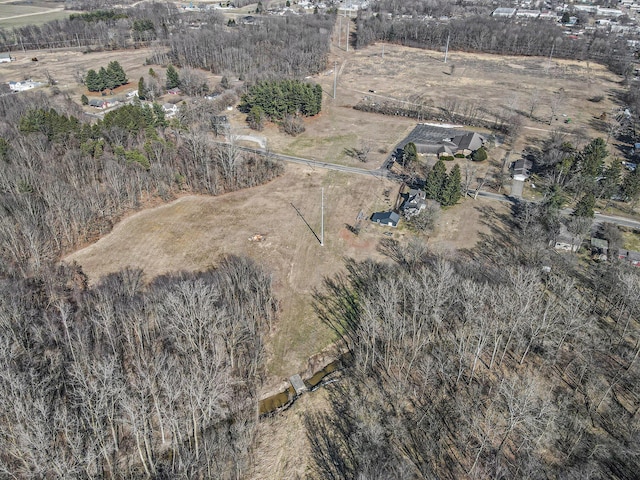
x,y
193,233
18,14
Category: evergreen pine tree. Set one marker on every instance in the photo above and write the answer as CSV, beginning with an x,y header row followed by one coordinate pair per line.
x,y
161,120
318,92
93,81
409,154
117,73
105,79
84,100
631,186
142,89
436,179
173,79
452,188
610,181
592,157
584,208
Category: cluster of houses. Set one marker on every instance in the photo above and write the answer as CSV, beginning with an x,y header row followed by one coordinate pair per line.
x,y
411,204
504,12
103,103
600,250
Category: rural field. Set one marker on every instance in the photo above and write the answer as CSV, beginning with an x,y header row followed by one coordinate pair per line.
x,y
579,92
193,233
276,224
18,14
65,65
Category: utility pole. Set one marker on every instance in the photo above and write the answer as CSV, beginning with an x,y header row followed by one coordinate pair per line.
x,y
348,21
322,219
550,56
335,78
383,50
340,33
446,50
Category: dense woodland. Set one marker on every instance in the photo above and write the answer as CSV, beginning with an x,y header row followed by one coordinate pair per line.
x,y
291,46
122,379
294,46
129,380
483,365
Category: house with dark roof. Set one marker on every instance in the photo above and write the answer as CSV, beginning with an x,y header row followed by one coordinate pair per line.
x,y
97,103
443,140
521,169
390,219
630,256
414,201
467,143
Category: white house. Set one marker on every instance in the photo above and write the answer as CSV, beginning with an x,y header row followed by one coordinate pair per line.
x,y
170,109
22,86
6,57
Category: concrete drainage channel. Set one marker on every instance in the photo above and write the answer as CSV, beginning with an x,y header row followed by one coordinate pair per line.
x,y
283,400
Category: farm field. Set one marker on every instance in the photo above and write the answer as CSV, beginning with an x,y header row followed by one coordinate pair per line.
x,y
18,14
65,66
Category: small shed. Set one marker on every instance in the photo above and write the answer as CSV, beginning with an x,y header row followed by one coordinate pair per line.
x,y
6,57
566,241
390,219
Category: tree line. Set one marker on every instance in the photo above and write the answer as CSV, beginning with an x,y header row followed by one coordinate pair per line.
x,y
294,46
126,379
278,98
281,100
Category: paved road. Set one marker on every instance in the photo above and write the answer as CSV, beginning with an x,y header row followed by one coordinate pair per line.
x,y
625,222
380,173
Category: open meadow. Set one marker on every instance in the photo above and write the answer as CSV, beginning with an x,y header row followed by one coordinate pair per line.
x,y
193,233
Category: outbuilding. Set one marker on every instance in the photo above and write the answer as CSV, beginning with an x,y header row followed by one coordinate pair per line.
x,y
390,219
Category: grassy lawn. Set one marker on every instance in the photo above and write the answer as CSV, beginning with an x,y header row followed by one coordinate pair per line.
x,y
631,240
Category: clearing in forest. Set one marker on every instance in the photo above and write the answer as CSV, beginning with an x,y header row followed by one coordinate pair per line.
x,y
193,233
